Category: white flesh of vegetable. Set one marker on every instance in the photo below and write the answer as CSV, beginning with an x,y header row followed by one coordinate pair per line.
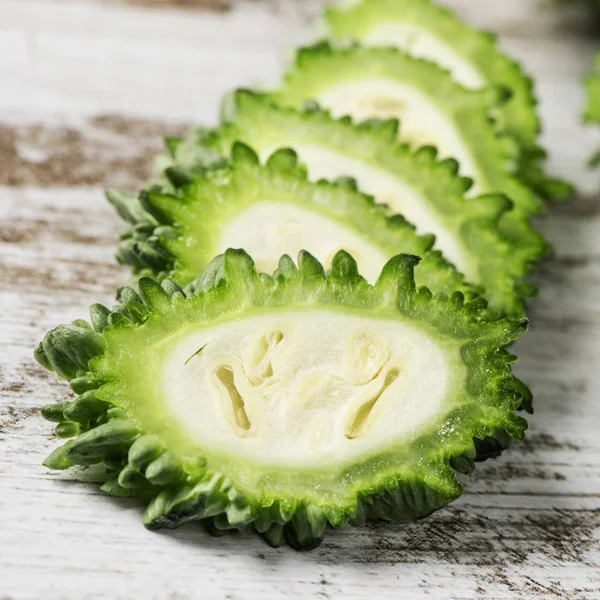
x,y
267,230
420,43
300,387
421,121
387,189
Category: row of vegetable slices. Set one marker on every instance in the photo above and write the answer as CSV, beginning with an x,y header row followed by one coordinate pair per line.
x,y
399,161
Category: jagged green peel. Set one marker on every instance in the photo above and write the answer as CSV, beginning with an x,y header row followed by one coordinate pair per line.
x,y
321,68
482,253
202,212
150,452
434,32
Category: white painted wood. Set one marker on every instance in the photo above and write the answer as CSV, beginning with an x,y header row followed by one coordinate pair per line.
x,y
529,524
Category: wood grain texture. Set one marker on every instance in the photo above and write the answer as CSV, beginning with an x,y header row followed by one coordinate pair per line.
x,y
87,90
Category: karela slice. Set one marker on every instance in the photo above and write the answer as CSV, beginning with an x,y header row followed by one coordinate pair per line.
x,y
434,32
427,192
285,404
268,210
432,109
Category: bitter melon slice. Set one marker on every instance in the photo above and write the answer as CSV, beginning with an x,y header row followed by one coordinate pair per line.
x,y
433,32
432,109
426,191
285,404
268,210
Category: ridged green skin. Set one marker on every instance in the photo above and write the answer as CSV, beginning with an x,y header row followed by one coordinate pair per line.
x,y
120,418
322,67
175,233
592,107
473,222
479,49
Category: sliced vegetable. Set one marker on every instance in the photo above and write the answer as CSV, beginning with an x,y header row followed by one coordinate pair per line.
x,y
267,210
433,32
286,404
426,191
432,109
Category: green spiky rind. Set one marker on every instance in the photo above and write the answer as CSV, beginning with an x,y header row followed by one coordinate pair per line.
x,y
517,115
186,486
531,170
188,219
254,120
496,154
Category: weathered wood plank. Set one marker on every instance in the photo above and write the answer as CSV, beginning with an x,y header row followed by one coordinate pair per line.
x,y
87,91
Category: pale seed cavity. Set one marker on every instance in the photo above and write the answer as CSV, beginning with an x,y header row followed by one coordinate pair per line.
x,y
366,366
261,360
235,401
366,355
358,422
382,106
303,387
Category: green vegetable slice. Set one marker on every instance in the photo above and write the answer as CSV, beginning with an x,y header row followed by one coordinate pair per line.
x,y
433,32
285,404
268,210
427,192
432,109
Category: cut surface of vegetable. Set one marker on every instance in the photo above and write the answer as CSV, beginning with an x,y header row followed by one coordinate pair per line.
x,y
424,190
268,210
432,109
432,32
285,404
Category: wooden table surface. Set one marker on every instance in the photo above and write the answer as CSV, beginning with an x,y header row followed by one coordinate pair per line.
x,y
86,92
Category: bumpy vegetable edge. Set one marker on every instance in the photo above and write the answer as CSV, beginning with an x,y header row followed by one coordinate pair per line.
x,y
323,66
139,464
517,115
251,118
174,232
